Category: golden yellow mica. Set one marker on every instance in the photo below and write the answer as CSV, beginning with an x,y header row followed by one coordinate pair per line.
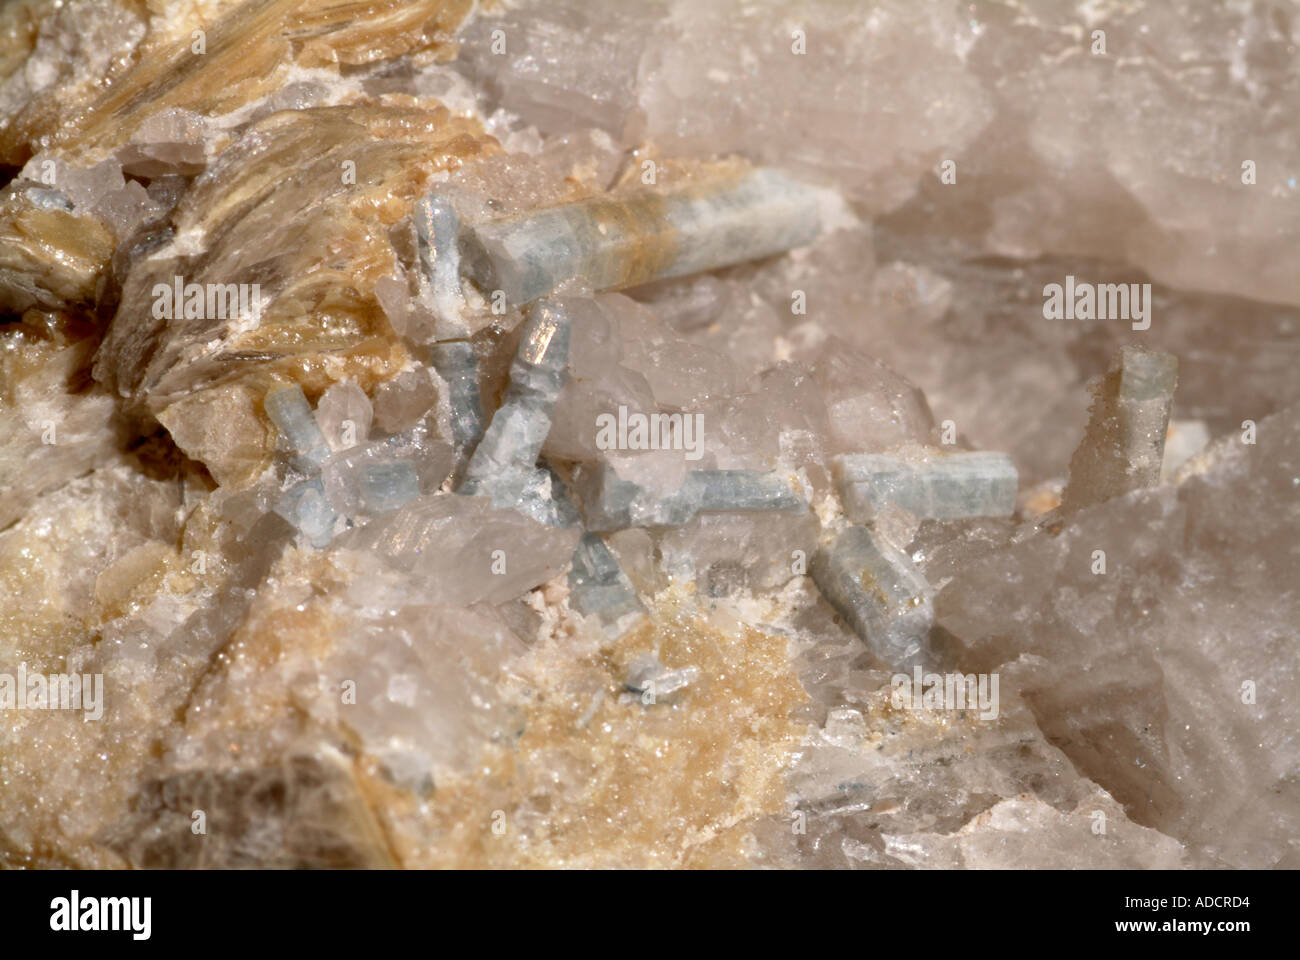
x,y
248,50
321,187
64,254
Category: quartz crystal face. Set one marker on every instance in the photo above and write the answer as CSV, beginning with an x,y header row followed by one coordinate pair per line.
x,y
681,433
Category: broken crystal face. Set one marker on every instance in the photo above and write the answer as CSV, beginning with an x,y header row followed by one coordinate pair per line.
x,y
843,436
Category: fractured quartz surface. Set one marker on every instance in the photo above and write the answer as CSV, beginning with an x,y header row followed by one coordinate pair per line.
x,y
618,426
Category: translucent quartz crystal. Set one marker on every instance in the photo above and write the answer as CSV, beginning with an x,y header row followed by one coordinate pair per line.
x,y
939,487
599,587
505,461
457,364
870,407
292,414
437,229
461,550
305,506
344,415
724,553
401,401
620,242
885,599
1123,446
538,78
386,486
1134,693
646,675
612,503
343,474
426,697
599,382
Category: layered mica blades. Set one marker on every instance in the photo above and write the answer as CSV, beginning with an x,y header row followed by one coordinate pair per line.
x,y
597,434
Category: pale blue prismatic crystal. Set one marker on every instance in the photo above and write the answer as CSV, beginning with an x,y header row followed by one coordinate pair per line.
x,y
292,415
437,228
617,241
599,587
388,485
943,486
612,503
504,464
304,505
457,364
878,590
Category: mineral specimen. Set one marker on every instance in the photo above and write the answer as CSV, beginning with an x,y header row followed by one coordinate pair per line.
x,y
458,367
941,487
504,462
438,228
612,502
876,588
555,433
292,414
610,244
598,586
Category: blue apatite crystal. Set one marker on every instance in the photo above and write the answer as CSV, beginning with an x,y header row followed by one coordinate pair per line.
x,y
598,586
881,594
613,503
387,486
943,486
292,415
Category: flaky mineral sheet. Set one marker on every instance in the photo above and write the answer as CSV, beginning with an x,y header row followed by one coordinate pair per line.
x,y
674,433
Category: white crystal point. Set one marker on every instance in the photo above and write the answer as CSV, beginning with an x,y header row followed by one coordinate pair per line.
x,y
289,410
881,594
942,486
599,587
437,228
1184,440
615,242
612,503
504,464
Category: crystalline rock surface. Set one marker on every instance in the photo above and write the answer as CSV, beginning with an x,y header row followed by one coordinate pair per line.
x,y
679,433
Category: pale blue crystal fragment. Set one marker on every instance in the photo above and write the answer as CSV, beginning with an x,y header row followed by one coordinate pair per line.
x,y
457,364
304,505
942,486
878,590
612,503
292,415
611,242
437,228
387,486
599,587
504,464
